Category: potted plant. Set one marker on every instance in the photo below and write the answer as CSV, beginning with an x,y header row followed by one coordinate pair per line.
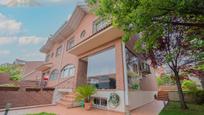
x,y
85,92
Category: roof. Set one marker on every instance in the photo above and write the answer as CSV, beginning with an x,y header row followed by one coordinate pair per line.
x,y
67,28
19,61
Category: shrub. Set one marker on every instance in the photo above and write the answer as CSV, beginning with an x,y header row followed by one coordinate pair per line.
x,y
135,86
199,97
14,71
164,80
189,85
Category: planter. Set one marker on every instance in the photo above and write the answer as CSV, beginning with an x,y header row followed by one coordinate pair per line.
x,y
9,88
88,106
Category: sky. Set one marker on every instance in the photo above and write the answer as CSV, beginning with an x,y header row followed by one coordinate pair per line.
x,y
24,28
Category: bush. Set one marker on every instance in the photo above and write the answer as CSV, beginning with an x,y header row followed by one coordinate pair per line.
x,y
189,85
135,86
199,97
164,80
14,71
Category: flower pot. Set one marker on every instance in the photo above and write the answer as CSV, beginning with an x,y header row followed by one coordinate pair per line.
x,y
88,105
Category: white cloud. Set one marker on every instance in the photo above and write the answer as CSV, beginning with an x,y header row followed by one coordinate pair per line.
x,y
4,52
9,26
15,3
6,40
32,56
4,2
27,40
56,0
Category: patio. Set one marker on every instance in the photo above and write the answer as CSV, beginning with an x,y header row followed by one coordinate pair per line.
x,y
149,109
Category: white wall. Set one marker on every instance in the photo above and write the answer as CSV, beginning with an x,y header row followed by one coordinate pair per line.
x,y
106,94
140,98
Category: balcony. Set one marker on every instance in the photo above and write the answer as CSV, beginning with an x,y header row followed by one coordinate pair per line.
x,y
105,35
45,67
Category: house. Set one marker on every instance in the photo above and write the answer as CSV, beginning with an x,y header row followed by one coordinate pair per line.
x,y
30,72
88,49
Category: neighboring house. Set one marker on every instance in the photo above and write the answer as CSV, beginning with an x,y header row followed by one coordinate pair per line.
x,y
19,62
87,49
30,71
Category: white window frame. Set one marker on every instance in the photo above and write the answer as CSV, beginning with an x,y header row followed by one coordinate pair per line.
x,y
58,51
69,70
70,44
55,72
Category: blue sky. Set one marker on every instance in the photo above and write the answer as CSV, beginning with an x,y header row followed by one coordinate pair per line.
x,y
24,29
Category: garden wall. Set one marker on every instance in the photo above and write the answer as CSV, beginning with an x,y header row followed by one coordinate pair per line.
x,y
25,97
174,96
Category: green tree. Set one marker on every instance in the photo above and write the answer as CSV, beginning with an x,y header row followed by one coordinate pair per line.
x,y
170,31
13,70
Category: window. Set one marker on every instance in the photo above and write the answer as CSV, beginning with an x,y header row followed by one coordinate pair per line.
x,y
144,67
58,51
100,103
68,71
83,34
102,69
52,55
47,58
70,44
132,62
54,74
99,24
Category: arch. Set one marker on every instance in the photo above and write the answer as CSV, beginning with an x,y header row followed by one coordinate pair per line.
x,y
83,34
54,74
68,71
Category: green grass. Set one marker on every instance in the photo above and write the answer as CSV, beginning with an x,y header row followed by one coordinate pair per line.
x,y
42,113
173,108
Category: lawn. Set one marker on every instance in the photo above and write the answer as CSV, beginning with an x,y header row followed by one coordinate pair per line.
x,y
43,113
173,108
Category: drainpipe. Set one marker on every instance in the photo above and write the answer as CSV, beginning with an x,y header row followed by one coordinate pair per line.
x,y
125,76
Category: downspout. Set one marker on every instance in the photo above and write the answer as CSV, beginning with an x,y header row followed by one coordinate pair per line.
x,y
125,75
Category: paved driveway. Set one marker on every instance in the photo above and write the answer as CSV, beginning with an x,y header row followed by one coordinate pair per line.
x,y
153,108
62,111
149,109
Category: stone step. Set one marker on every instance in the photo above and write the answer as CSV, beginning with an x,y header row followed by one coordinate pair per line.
x,y
68,99
65,104
69,96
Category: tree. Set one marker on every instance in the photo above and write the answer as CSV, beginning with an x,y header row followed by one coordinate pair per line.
x,y
14,71
171,31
